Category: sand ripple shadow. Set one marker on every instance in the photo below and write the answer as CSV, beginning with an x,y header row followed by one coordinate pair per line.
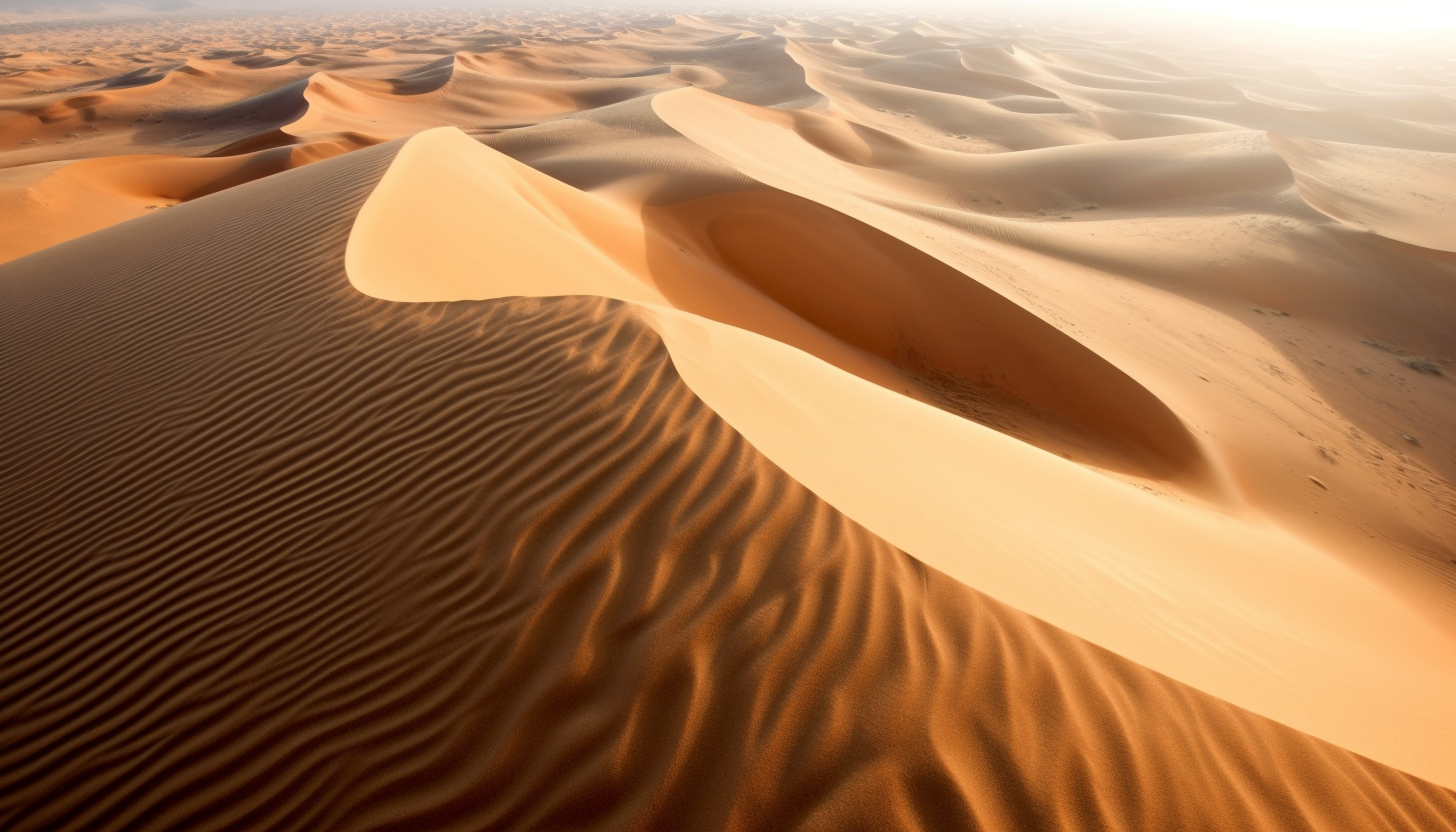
x,y
280,555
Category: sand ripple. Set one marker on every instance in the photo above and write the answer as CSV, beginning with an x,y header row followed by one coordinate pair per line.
x,y
280,555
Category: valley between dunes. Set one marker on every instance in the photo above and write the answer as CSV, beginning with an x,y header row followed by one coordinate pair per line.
x,y
442,420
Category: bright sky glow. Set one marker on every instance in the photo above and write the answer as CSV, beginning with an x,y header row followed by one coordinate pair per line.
x,y
1366,15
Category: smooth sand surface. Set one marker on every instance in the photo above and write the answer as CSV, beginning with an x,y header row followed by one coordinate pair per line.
x,y
484,420
62,201
1228,604
1406,195
284,554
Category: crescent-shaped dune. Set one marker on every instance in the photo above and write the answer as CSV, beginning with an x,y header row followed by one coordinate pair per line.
x,y
453,220
48,204
284,554
1406,195
607,419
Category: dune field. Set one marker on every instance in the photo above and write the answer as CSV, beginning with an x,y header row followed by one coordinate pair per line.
x,y
626,420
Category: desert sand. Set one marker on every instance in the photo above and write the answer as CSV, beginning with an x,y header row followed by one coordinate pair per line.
x,y
549,420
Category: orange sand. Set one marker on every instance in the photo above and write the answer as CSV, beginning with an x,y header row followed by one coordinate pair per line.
x,y
723,423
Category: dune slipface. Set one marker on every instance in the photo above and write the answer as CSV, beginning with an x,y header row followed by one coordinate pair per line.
x,y
285,555
1196,591
484,420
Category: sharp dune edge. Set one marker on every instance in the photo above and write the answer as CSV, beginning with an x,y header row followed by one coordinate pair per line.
x,y
1406,195
481,421
1184,591
487,564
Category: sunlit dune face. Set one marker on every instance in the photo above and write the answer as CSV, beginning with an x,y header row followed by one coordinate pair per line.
x,y
559,419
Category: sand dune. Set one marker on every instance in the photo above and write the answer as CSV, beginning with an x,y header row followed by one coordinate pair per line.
x,y
548,419
1406,195
465,93
422,236
478,224
347,563
43,205
1135,269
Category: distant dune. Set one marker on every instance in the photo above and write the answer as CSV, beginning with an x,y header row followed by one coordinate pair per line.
x,y
457,421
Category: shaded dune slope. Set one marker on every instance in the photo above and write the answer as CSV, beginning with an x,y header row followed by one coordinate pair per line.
x,y
979,354
280,555
1405,195
1234,609
776,264
47,204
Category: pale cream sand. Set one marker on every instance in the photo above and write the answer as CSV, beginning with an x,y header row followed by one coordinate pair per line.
x,y
479,420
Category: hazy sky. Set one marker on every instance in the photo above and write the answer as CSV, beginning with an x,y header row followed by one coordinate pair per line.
x,y
1369,15
1366,15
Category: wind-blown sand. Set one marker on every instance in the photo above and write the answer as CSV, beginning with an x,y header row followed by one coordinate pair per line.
x,y
725,424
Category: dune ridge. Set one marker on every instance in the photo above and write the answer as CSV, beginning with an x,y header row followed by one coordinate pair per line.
x,y
76,198
622,419
1189,590
491,565
1401,194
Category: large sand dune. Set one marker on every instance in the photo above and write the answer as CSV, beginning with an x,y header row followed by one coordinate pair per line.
x,y
461,421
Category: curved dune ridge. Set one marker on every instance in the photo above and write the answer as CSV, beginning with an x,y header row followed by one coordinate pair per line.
x,y
455,419
1186,590
283,555
73,199
1406,195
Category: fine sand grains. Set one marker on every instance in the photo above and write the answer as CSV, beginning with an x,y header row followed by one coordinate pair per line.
x,y
281,555
724,422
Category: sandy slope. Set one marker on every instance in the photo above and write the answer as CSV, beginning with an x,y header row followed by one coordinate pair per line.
x,y
1225,603
286,555
50,203
1406,195
726,421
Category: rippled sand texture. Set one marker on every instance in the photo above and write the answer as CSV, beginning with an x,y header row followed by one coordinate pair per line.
x,y
465,422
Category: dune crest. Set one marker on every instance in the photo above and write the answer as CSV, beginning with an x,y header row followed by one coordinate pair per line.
x,y
50,204
941,487
1406,195
863,291
486,419
492,564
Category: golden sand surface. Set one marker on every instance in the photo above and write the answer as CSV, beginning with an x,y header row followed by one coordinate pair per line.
x,y
483,420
